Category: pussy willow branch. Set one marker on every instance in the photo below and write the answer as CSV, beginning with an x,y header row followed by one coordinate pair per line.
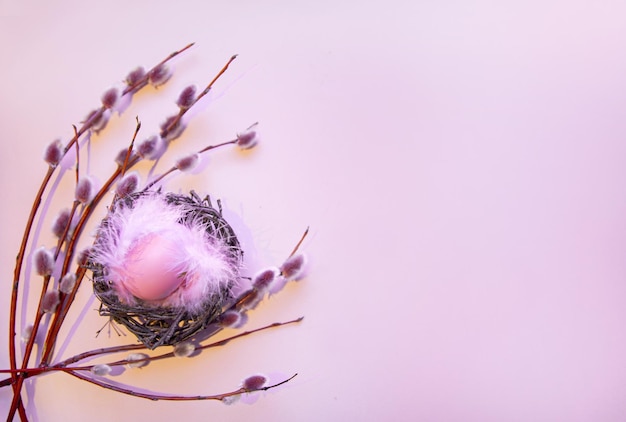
x,y
14,295
295,249
64,305
65,365
204,92
69,253
59,316
156,397
26,235
71,246
19,375
174,168
219,343
46,283
129,151
49,338
144,80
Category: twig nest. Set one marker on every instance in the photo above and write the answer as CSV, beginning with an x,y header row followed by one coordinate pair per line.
x,y
164,265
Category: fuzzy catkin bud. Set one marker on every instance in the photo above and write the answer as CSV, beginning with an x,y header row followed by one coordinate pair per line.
x,y
53,153
120,158
247,139
254,382
60,223
171,128
135,76
82,258
128,184
262,280
293,266
136,360
43,261
159,75
50,302
152,148
188,163
252,299
98,119
229,319
67,283
184,349
101,369
85,190
110,97
186,97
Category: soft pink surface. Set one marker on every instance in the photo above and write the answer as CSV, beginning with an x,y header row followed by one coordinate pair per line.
x,y
461,165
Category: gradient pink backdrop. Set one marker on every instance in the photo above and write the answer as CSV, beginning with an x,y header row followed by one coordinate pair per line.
x,y
461,165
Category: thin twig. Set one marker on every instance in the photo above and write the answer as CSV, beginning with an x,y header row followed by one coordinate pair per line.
x,y
204,92
129,347
174,168
65,365
156,397
293,252
129,152
144,81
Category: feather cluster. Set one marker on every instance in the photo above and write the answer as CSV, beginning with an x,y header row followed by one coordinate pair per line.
x,y
152,253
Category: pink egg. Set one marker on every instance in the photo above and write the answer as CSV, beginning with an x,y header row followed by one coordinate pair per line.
x,y
151,275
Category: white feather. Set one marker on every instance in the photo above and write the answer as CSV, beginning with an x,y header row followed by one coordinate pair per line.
x,y
202,261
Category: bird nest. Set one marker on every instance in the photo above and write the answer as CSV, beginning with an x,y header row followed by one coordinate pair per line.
x,y
160,325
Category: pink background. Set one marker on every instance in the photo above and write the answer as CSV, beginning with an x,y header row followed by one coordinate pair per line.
x,y
461,165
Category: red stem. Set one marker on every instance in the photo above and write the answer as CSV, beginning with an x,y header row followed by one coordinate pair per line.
x,y
295,249
17,401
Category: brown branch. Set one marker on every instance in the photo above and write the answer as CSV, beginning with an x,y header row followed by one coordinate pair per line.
x,y
144,81
129,347
174,168
174,123
156,397
25,373
129,152
293,252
